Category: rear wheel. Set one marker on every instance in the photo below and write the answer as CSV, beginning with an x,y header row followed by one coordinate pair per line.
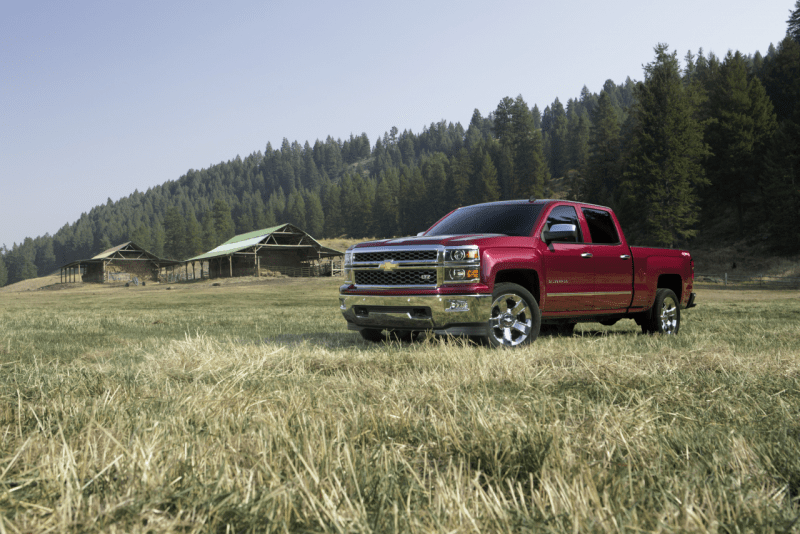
x,y
665,315
515,318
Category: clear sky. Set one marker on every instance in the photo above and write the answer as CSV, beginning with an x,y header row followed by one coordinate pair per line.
x,y
99,98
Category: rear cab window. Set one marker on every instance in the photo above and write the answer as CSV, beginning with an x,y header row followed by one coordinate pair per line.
x,y
602,229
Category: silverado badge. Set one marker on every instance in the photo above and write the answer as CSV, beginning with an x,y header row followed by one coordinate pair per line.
x,y
387,266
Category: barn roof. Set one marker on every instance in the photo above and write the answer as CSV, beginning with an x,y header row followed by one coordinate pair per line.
x,y
284,236
125,251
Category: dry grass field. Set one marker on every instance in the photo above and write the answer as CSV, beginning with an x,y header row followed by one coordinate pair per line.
x,y
249,407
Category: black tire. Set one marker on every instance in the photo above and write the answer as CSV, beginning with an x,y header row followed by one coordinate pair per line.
x,y
372,334
665,315
514,318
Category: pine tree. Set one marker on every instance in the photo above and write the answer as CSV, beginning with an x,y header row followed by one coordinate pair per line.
x,y
556,128
45,260
269,217
141,236
487,188
782,78
20,261
433,172
458,179
245,221
315,217
105,243
3,270
333,210
781,179
387,210
794,23
223,221
296,209
519,164
157,239
364,218
743,123
194,236
603,165
412,201
174,234
530,166
578,126
502,119
209,233
666,160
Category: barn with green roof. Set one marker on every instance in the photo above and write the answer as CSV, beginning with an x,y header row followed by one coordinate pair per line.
x,y
285,248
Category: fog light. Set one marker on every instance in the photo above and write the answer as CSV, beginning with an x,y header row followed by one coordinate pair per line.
x,y
457,274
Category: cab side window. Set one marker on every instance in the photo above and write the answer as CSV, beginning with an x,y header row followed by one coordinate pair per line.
x,y
564,215
602,229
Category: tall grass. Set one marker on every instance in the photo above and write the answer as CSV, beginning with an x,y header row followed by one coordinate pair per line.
x,y
251,408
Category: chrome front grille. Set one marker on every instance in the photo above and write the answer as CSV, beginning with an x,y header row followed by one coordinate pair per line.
x,y
396,255
420,266
423,277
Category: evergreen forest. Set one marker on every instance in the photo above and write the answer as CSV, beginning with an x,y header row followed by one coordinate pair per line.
x,y
703,148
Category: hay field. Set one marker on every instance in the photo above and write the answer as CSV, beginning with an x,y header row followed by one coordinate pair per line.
x,y
250,408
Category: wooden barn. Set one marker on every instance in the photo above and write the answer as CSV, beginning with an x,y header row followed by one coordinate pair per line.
x,y
284,248
122,263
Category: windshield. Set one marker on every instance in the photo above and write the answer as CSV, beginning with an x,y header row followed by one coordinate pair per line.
x,y
507,219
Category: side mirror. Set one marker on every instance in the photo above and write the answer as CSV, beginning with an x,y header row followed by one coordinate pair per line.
x,y
561,232
420,233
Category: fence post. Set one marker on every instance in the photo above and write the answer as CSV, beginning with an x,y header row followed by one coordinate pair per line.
x,y
726,279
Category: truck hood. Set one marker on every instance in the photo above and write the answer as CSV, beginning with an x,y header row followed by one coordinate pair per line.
x,y
447,240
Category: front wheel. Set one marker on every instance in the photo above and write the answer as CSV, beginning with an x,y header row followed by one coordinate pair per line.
x,y
665,315
515,318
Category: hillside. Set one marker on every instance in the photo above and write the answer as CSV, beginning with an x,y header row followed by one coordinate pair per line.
x,y
604,148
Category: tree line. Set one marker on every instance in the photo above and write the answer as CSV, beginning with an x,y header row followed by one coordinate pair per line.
x,y
707,145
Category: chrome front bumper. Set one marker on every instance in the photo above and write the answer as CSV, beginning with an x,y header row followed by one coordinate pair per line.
x,y
443,314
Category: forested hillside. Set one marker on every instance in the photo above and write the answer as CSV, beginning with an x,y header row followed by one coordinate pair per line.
x,y
704,144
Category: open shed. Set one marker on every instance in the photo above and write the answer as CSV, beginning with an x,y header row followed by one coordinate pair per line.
x,y
122,263
284,248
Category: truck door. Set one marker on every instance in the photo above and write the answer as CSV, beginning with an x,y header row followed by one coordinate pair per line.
x,y
611,258
569,271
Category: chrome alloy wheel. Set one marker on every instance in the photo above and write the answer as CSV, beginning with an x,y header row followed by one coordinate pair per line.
x,y
510,323
669,315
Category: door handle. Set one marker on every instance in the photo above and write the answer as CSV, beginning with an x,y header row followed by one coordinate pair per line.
x,y
586,255
625,257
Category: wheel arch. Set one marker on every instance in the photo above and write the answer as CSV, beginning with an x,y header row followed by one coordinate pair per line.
x,y
527,278
673,282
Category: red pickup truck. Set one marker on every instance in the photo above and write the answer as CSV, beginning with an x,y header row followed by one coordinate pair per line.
x,y
499,271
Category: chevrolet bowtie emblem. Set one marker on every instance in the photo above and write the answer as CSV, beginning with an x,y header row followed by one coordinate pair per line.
x,y
387,266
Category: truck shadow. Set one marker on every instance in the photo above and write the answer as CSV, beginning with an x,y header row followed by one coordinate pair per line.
x,y
344,340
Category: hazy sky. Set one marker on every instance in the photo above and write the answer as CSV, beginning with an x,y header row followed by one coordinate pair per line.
x,y
100,98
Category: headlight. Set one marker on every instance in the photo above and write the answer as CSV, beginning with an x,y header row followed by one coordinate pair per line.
x,y
348,266
462,264
462,274
465,254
